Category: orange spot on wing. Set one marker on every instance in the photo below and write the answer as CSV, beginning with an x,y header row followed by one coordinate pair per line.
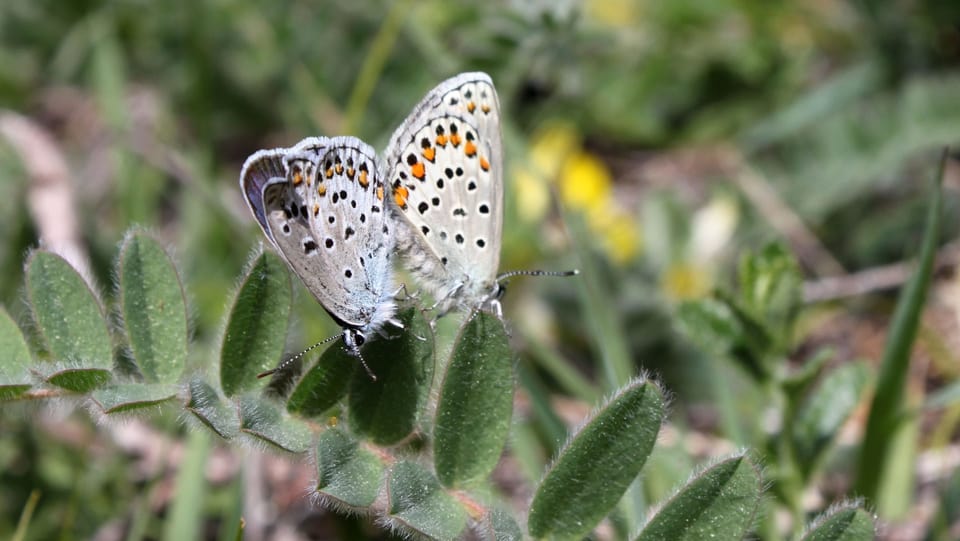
x,y
485,108
350,172
316,209
400,194
418,170
297,178
379,190
321,190
471,106
429,153
454,139
339,169
365,182
330,173
441,140
470,149
484,164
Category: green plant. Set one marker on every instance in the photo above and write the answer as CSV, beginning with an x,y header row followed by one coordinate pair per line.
x,y
417,445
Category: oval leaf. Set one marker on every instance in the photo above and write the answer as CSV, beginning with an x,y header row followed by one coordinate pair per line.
x,y
846,523
324,384
153,307
15,359
266,422
595,468
476,402
825,410
719,503
386,410
67,313
256,331
205,404
78,380
133,396
347,473
419,504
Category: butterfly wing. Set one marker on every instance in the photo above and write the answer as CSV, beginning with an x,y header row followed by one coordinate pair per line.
x,y
326,220
445,170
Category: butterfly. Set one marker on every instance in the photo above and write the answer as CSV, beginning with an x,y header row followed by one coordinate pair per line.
x,y
321,205
444,167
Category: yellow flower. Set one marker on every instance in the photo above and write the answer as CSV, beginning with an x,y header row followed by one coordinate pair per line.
x,y
550,147
683,281
621,238
613,13
532,195
585,182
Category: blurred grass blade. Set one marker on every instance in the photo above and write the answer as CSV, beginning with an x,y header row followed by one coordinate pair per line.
x,y
205,404
257,328
67,313
848,522
720,503
348,474
825,410
419,505
609,340
26,516
185,517
15,359
324,384
268,423
154,309
598,464
888,402
386,410
475,404
130,397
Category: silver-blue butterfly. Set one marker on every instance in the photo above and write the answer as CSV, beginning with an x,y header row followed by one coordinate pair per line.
x,y
321,205
444,166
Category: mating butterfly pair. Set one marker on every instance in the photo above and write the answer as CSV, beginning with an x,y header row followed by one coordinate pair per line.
x,y
337,214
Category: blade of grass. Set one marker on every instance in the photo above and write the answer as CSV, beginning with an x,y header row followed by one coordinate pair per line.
x,y
26,515
187,511
888,401
373,64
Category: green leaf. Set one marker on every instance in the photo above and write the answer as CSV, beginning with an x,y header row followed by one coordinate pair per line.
x,y
825,410
797,383
347,472
500,525
257,329
71,378
888,402
205,404
67,313
386,410
476,401
720,328
719,503
771,288
419,504
15,359
598,464
133,396
845,523
153,307
324,384
268,423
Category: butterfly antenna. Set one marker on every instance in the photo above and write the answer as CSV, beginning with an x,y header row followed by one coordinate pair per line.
x,y
511,274
364,363
293,359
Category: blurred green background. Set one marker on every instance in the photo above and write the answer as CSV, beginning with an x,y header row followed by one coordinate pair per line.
x,y
651,141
